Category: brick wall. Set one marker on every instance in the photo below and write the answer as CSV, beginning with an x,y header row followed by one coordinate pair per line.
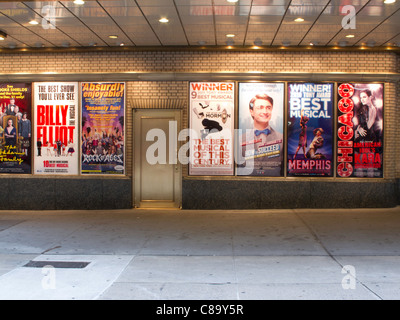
x,y
396,123
209,62
195,61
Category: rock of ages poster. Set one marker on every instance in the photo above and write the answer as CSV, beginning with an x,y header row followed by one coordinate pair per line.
x,y
15,128
56,127
360,130
211,114
260,137
103,128
310,129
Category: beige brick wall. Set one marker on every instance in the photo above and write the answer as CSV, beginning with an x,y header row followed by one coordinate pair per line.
x,y
396,122
152,92
195,61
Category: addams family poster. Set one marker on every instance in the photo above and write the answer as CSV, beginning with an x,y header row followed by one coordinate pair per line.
x,y
360,130
103,128
260,136
310,129
56,128
15,128
212,126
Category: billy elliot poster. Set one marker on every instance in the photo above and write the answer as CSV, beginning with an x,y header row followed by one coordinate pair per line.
x,y
56,128
103,128
360,130
15,128
310,129
212,126
260,136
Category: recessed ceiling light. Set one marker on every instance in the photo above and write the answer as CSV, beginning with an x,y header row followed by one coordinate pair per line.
x,y
389,1
121,44
233,1
3,35
33,22
79,2
299,20
350,36
163,20
113,37
230,35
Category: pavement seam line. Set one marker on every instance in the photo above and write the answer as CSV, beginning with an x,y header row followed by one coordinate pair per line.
x,y
316,238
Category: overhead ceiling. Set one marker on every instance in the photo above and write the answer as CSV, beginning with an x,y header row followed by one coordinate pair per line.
x,y
194,23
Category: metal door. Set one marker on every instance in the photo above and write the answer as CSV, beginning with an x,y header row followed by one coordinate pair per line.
x,y
157,178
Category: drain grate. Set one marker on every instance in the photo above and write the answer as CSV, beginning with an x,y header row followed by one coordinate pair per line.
x,y
57,264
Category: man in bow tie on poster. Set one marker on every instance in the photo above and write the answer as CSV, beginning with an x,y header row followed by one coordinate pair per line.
x,y
263,144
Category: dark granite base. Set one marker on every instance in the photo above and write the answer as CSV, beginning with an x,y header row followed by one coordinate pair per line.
x,y
224,194
65,194
99,194
398,191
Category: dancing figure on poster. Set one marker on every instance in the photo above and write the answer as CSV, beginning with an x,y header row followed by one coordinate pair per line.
x,y
303,135
317,143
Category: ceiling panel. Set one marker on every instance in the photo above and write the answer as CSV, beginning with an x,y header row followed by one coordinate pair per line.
x,y
395,40
368,18
99,22
293,32
197,22
64,19
326,27
171,33
15,18
385,32
130,19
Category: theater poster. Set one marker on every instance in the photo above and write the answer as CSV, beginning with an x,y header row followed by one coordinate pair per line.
x,y
260,135
360,130
15,128
310,129
212,124
56,127
103,128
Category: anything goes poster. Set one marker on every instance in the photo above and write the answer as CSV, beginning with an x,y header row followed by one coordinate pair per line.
x,y
15,128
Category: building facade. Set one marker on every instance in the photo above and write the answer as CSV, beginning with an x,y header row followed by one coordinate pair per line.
x,y
158,87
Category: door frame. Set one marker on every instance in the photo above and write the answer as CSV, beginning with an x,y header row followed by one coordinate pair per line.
x,y
136,176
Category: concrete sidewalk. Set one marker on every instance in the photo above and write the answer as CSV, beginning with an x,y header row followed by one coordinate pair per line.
x,y
201,255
